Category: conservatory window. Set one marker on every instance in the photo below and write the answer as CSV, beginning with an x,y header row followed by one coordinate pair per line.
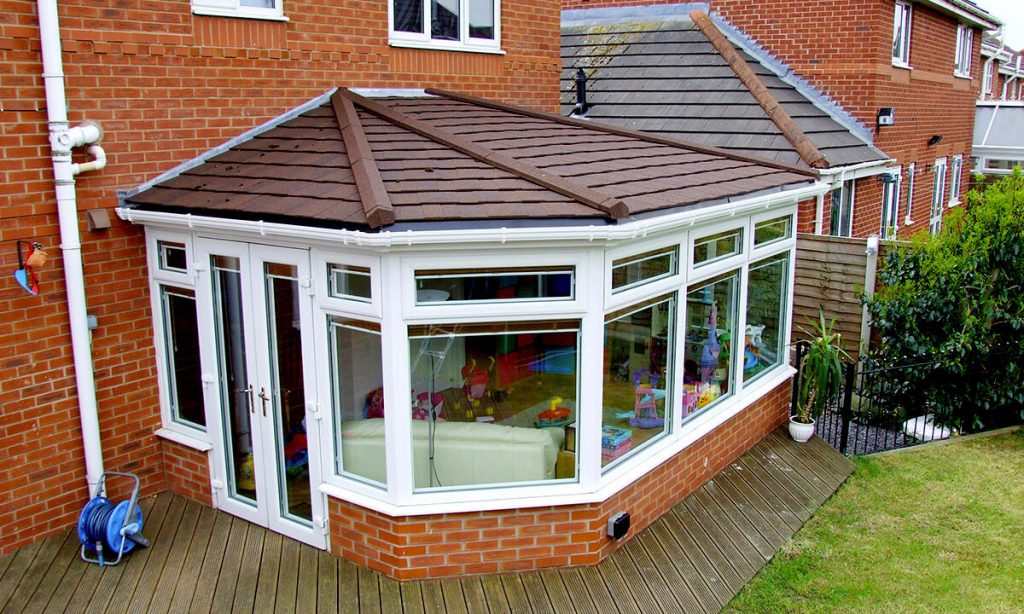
x,y
770,231
357,388
172,256
491,402
350,282
710,329
643,268
764,336
717,246
181,345
637,359
495,285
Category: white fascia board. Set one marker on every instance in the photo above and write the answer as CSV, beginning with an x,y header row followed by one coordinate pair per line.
x,y
964,13
585,234
856,171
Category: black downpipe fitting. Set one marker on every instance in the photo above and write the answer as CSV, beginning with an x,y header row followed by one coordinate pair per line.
x,y
581,93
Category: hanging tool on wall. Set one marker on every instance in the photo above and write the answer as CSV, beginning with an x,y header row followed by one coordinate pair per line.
x,y
25,275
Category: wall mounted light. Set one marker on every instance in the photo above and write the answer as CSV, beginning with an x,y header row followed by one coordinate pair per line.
x,y
934,139
886,116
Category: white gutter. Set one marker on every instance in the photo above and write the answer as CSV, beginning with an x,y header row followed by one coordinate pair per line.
x,y
62,141
850,171
622,231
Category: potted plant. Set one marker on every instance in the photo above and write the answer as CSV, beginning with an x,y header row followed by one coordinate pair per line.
x,y
820,377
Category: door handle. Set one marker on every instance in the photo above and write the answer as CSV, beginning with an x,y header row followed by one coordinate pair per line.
x,y
248,391
264,398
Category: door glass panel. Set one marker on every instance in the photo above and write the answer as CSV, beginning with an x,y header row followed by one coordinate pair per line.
x,y
234,379
287,390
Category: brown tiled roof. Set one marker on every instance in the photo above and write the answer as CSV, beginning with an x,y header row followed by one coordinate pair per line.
x,y
358,162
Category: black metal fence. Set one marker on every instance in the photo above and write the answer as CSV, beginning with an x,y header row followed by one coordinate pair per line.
x,y
868,415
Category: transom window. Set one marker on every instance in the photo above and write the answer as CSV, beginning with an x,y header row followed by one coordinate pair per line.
x,y
350,282
495,285
964,51
643,268
770,231
901,34
465,24
717,246
172,256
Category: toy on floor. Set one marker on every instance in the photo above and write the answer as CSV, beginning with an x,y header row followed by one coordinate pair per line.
x,y
645,409
374,406
423,404
752,349
555,416
296,455
475,379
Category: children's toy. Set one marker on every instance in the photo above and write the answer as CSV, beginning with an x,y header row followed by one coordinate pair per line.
x,y
615,442
374,407
25,274
645,408
247,474
475,380
424,403
296,455
752,349
709,356
104,526
554,416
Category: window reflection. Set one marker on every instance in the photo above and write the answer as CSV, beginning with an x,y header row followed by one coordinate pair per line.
x,y
710,330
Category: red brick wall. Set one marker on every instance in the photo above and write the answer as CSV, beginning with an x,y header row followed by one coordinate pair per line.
x,y
451,545
187,471
167,85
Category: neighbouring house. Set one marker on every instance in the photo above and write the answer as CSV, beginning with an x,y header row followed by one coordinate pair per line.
x,y
999,117
435,333
916,100
692,77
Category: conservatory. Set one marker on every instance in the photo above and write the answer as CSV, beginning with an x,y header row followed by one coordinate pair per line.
x,y
419,303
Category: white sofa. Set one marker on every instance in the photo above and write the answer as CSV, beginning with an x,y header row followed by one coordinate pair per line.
x,y
464,452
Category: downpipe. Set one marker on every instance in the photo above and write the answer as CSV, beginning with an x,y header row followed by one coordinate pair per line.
x,y
63,140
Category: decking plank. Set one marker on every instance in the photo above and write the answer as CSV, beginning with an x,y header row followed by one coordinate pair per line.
x,y
714,553
327,583
711,496
369,590
454,598
270,568
494,592
823,468
535,593
390,596
476,601
43,559
249,570
79,598
47,580
433,598
305,600
516,594
117,585
768,523
412,598
287,576
558,594
170,573
769,494
805,465
653,579
633,576
206,586
188,579
16,569
348,586
617,585
669,573
231,564
720,590
695,580
601,596
733,547
792,484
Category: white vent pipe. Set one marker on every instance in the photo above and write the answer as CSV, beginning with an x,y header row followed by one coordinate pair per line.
x,y
62,141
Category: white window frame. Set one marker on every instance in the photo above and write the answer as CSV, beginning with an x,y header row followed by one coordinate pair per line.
x,y
988,77
938,196
902,60
911,168
891,204
234,8
964,52
321,259
955,179
717,264
656,286
422,40
842,187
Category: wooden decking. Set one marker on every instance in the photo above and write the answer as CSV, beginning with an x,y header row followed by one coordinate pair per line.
x,y
695,559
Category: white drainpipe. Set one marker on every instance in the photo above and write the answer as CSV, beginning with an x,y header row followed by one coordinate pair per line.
x,y
62,140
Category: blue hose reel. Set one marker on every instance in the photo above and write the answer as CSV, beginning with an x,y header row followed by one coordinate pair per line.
x,y
108,527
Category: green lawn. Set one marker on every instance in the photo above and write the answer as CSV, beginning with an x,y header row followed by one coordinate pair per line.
x,y
937,529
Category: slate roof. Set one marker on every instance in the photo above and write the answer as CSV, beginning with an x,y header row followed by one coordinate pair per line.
x,y
663,75
358,162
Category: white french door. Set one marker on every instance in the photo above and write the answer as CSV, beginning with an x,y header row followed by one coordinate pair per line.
x,y
259,372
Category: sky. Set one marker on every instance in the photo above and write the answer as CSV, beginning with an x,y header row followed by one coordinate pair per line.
x,y
1011,13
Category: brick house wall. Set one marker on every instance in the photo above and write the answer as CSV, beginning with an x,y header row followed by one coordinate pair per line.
x,y
451,545
167,85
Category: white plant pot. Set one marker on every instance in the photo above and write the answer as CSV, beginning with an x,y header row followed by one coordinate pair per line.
x,y
799,431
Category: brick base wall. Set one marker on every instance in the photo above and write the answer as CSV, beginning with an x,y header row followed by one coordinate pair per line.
x,y
450,545
187,471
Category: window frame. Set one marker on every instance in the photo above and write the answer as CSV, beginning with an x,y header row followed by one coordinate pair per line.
x,y
938,196
322,259
903,59
891,204
422,40
911,171
955,179
988,77
963,55
842,187
713,266
234,8
616,299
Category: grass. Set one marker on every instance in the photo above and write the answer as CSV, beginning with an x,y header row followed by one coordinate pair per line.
x,y
938,529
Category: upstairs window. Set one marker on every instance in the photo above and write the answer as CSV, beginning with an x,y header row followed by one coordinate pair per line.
x,y
253,9
964,51
901,35
446,24
986,84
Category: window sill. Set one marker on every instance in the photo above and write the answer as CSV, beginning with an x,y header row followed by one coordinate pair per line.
x,y
186,440
211,12
953,203
960,75
436,46
898,64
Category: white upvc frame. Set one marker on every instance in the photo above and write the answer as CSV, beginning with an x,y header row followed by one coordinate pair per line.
x,y
841,185
988,78
902,12
911,170
422,40
891,205
773,246
718,264
234,8
619,298
938,196
353,307
962,60
955,179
